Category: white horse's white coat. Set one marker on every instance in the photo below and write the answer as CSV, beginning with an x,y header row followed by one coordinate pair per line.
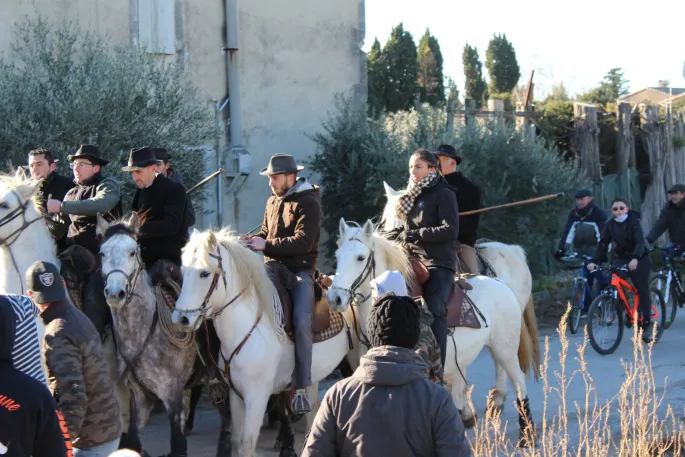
x,y
494,299
265,363
27,245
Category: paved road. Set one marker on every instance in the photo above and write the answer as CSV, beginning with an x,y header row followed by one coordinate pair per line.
x,y
607,372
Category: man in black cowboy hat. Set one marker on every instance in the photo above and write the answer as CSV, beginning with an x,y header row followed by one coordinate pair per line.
x,y
165,167
93,195
290,235
163,204
468,199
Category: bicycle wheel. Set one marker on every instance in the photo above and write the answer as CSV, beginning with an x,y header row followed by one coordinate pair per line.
x,y
576,305
658,316
603,319
670,297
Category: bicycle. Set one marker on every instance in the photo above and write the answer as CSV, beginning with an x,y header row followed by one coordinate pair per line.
x,y
582,292
669,281
607,305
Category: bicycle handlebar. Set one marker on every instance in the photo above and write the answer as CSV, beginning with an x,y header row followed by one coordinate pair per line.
x,y
611,268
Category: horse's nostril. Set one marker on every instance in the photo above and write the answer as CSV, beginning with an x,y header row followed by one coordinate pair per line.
x,y
121,295
338,300
106,291
184,321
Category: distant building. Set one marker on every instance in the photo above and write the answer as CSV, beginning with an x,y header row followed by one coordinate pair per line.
x,y
660,95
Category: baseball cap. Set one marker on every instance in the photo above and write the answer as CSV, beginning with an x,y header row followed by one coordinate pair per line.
x,y
676,188
44,280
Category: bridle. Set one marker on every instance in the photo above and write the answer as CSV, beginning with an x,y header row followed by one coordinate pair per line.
x,y
131,279
369,271
9,240
202,309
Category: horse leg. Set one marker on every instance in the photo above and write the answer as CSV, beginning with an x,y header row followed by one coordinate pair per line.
x,y
255,405
507,358
499,391
174,408
273,412
224,448
195,394
286,434
237,421
459,396
141,404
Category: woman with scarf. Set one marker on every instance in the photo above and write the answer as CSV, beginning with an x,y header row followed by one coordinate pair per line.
x,y
431,227
624,231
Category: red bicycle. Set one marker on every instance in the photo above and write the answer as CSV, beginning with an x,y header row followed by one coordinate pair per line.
x,y
606,313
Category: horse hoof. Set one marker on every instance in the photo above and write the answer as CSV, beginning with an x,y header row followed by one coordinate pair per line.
x,y
470,422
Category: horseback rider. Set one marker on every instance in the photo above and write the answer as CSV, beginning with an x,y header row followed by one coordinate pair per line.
x,y
93,195
43,166
468,199
165,169
430,233
162,203
290,235
672,218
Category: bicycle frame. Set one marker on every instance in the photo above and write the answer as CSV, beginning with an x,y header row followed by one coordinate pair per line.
x,y
619,287
671,274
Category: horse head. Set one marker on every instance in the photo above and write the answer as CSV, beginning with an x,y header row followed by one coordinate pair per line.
x,y
390,220
17,206
355,264
121,261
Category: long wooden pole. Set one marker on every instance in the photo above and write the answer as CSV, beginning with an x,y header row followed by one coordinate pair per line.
x,y
205,181
509,205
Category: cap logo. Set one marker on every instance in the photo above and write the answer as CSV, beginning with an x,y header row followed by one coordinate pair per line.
x,y
46,279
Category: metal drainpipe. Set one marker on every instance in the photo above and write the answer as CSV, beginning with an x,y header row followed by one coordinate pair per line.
x,y
240,156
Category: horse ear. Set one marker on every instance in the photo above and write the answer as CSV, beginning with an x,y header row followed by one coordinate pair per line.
x,y
21,174
211,239
389,191
28,189
102,225
368,229
342,226
195,232
134,222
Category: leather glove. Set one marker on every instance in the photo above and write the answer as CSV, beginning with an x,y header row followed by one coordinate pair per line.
x,y
649,244
410,236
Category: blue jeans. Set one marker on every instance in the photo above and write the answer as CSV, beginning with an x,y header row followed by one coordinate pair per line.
x,y
103,450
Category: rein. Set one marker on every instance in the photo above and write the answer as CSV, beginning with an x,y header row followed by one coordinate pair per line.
x,y
368,271
8,241
131,279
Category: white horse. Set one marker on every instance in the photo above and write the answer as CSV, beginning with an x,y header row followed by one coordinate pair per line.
x,y
363,254
509,264
230,284
24,237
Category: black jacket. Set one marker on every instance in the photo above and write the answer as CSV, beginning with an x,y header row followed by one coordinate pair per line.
x,y
55,186
29,425
432,226
627,238
164,233
468,199
591,216
672,217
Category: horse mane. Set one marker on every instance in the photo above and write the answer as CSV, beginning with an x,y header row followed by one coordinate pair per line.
x,y
119,227
248,269
11,181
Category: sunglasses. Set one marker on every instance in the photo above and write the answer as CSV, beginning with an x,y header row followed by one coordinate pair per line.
x,y
618,208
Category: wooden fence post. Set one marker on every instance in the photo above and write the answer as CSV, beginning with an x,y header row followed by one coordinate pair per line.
x,y
586,139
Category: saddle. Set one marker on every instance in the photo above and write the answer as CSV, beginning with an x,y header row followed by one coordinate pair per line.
x,y
460,308
285,280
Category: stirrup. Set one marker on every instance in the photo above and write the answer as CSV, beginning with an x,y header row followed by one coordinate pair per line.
x,y
301,402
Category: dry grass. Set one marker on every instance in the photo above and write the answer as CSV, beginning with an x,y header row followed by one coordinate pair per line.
x,y
635,422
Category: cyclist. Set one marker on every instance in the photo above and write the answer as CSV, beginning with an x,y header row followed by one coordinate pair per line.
x,y
624,231
672,218
583,230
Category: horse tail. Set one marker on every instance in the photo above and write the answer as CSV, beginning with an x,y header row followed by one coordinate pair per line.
x,y
529,342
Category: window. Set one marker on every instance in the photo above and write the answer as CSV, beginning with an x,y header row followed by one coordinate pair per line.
x,y
156,26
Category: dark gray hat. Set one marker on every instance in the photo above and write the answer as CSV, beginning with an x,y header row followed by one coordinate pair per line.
x,y
141,158
676,188
281,163
446,150
583,193
89,152
44,280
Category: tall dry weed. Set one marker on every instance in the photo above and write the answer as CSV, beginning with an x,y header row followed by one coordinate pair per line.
x,y
635,422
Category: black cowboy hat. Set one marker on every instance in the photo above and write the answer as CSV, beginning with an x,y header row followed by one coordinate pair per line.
x,y
141,158
161,154
446,150
281,163
90,152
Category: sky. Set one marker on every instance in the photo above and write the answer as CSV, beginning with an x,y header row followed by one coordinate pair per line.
x,y
575,42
